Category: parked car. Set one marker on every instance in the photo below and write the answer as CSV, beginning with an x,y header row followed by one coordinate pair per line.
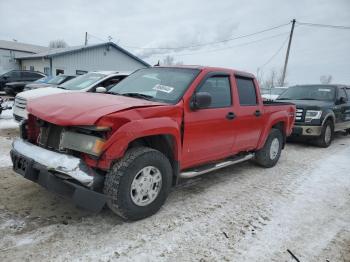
x,y
19,76
321,110
53,82
128,147
99,81
273,93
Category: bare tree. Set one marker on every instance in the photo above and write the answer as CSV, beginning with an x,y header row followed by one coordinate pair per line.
x,y
170,60
59,43
272,80
326,79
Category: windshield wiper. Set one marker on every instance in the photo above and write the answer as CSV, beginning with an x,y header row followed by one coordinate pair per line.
x,y
61,87
138,95
306,98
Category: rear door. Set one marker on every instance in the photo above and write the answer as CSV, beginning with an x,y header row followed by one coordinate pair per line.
x,y
249,119
208,132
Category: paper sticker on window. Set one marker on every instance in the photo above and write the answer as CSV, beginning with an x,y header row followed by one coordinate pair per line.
x,y
162,88
324,90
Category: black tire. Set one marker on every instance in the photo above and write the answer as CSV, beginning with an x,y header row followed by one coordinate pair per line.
x,y
263,156
321,141
117,186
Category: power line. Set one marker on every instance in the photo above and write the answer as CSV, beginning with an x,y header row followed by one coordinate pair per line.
x,y
275,54
233,46
324,25
214,42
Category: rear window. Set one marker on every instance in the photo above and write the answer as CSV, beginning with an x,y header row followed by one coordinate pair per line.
x,y
246,91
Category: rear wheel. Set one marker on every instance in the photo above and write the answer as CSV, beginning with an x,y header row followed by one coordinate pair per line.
x,y
327,133
138,184
269,155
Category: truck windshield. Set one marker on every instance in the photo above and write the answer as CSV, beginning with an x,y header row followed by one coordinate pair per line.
x,y
309,92
156,84
82,81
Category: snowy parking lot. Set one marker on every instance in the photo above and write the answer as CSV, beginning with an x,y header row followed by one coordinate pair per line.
x,y
241,213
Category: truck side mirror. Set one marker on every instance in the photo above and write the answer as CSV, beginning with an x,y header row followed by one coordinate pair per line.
x,y
101,89
200,100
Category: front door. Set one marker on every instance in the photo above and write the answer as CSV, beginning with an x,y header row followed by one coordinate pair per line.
x,y
342,110
208,132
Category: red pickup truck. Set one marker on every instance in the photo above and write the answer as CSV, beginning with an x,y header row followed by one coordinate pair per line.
x,y
127,147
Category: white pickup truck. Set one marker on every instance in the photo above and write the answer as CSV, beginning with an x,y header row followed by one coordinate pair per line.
x,y
97,81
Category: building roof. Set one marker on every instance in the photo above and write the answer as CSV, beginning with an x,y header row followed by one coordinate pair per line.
x,y
17,46
63,51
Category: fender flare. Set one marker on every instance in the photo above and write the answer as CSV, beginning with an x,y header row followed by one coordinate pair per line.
x,y
275,118
328,114
118,143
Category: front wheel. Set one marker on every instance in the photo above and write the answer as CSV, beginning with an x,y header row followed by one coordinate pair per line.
x,y
138,184
268,156
327,133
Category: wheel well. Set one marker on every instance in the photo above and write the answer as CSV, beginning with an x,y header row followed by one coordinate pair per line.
x,y
280,126
329,117
163,143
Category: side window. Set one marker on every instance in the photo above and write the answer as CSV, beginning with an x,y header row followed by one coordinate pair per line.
x,y
220,90
342,93
246,91
348,92
109,83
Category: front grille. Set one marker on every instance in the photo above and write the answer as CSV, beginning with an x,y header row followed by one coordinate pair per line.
x,y
20,102
50,136
18,118
299,116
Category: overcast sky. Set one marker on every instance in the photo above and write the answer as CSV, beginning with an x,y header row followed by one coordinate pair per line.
x,y
144,24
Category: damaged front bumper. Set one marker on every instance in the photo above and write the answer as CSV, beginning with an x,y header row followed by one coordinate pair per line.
x,y
60,173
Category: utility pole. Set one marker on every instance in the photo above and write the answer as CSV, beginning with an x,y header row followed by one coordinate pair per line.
x,y
86,40
287,54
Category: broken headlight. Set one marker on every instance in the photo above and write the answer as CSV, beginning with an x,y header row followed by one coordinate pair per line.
x,y
87,142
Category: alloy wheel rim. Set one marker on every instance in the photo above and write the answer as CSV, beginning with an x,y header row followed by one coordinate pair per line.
x,y
328,134
146,186
274,149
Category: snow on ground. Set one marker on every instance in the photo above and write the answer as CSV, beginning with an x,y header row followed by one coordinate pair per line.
x,y
241,213
7,121
5,146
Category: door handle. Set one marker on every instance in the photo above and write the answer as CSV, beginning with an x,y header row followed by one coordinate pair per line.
x,y
230,115
257,113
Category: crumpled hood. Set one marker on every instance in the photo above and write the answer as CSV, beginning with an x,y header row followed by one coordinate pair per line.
x,y
82,108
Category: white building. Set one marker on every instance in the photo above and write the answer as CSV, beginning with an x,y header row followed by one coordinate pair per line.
x,y
81,59
10,50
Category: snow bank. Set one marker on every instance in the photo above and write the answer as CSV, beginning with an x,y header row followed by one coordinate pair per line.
x,y
5,146
7,121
